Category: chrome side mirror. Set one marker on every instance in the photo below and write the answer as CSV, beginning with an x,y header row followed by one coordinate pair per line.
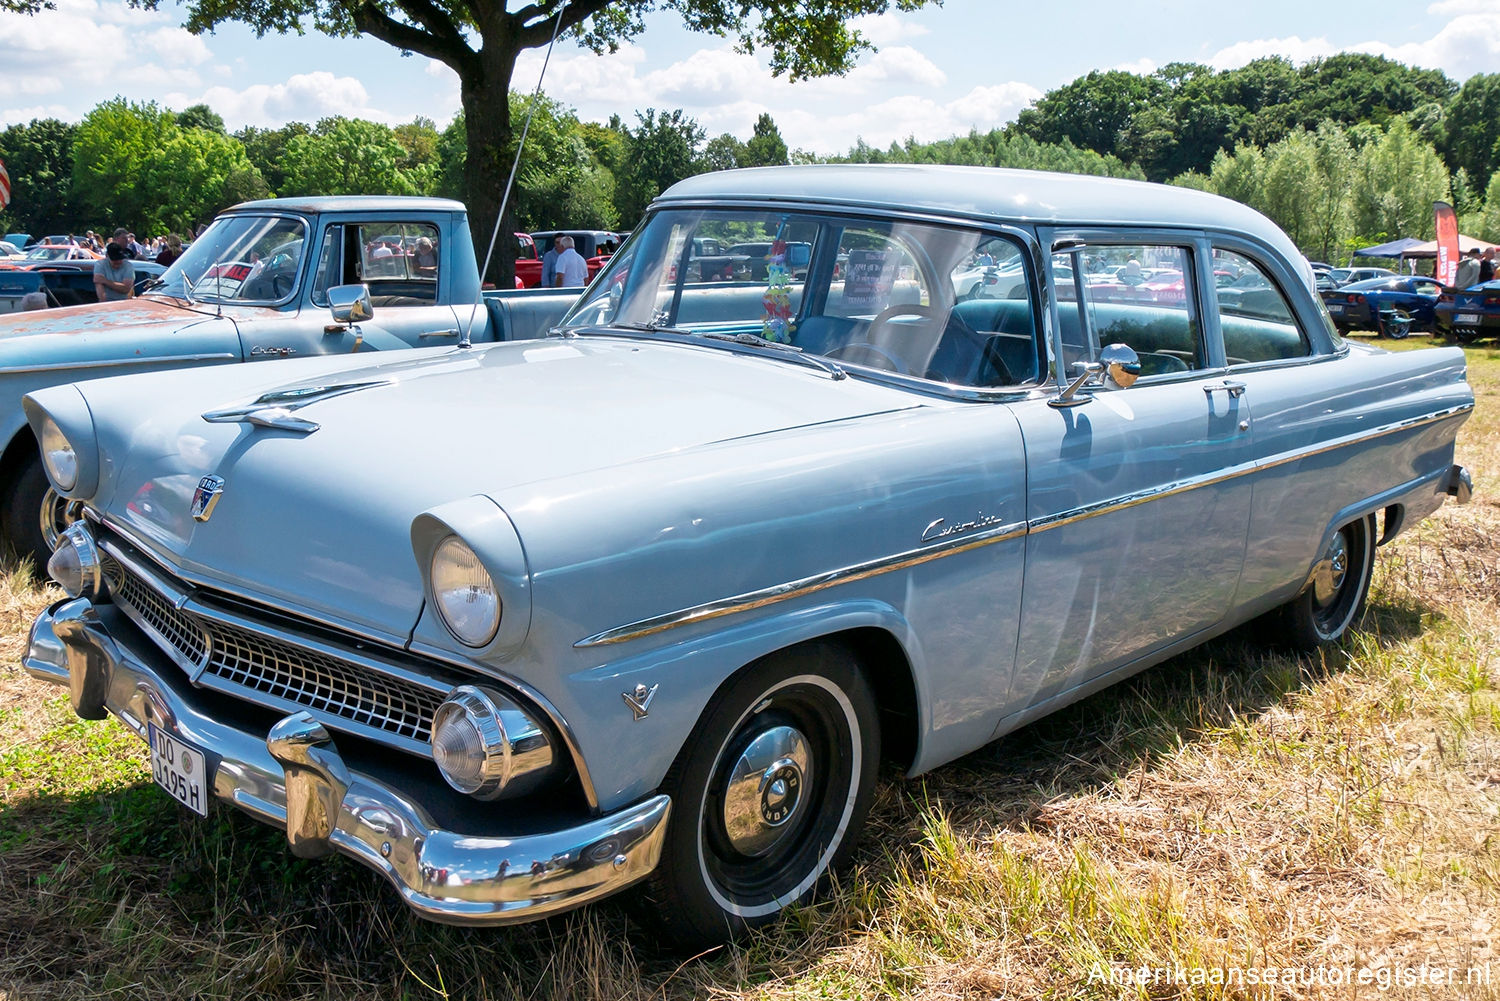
x,y
1118,363
350,303
1122,365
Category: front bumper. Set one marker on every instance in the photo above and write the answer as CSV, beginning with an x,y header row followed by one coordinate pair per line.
x,y
294,778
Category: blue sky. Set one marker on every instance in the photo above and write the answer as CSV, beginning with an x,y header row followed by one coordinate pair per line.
x,y
969,63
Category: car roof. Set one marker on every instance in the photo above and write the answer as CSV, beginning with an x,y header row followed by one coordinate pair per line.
x,y
1378,282
352,203
1032,196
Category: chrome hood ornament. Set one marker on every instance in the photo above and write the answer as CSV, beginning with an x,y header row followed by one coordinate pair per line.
x,y
275,409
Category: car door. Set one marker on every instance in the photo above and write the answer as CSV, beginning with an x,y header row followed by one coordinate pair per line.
x,y
1271,351
1136,521
400,263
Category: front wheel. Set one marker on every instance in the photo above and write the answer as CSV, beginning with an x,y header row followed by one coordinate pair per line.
x,y
768,795
1324,611
34,514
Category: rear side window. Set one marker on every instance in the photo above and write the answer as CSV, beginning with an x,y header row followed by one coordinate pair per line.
x,y
1257,321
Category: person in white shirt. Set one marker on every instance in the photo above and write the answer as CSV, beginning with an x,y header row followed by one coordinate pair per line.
x,y
572,269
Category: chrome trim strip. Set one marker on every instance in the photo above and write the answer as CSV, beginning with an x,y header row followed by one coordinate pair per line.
x,y
1234,472
807,585
886,564
123,362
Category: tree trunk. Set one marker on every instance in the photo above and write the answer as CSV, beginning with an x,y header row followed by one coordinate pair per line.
x,y
486,101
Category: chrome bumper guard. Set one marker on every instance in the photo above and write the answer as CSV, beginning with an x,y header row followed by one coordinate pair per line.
x,y
295,779
1459,485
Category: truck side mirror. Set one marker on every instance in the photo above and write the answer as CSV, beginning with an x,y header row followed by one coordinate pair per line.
x,y
350,303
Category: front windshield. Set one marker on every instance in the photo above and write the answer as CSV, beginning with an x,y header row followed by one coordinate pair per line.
x,y
240,258
943,303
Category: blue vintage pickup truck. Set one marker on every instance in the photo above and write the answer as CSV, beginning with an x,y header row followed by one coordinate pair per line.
x,y
245,291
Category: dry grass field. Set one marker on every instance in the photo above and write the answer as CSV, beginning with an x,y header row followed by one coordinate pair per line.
x,y
1229,816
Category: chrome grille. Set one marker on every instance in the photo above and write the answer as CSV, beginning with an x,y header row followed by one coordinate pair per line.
x,y
156,613
246,663
321,683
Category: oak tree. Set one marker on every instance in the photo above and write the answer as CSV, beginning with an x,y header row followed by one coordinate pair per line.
x,y
480,40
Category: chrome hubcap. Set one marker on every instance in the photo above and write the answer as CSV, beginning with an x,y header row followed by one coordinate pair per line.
x,y
57,514
764,790
1328,575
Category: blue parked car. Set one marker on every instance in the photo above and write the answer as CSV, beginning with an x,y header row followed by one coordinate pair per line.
x,y
647,602
1468,314
1357,306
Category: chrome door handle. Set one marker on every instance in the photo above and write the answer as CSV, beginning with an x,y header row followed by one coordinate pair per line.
x,y
438,333
1233,388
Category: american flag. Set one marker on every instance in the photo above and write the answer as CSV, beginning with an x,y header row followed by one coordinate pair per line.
x,y
4,186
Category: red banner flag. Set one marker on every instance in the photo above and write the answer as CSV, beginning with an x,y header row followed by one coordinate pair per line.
x,y
1447,242
4,186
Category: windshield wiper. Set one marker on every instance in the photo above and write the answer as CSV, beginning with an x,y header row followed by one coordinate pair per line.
x,y
652,328
153,285
791,350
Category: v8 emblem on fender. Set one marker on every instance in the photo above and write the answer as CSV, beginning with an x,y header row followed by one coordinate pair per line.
x,y
639,700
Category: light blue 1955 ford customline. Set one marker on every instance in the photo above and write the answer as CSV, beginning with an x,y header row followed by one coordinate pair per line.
x,y
649,600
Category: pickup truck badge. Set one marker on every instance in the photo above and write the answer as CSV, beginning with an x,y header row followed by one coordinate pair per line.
x,y
639,700
279,352
206,497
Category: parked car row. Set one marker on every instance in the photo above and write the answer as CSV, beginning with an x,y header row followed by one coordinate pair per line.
x,y
646,603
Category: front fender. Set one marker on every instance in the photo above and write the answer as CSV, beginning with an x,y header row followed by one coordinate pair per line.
x,y
627,757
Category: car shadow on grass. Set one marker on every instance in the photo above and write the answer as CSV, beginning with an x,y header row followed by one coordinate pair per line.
x,y
106,890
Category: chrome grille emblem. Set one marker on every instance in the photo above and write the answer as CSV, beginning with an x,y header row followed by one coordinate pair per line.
x,y
206,496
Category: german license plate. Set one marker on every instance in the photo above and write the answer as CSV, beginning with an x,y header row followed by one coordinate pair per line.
x,y
1466,318
179,768
1335,308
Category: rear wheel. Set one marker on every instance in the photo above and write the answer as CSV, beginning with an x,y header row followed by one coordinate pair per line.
x,y
768,795
1334,599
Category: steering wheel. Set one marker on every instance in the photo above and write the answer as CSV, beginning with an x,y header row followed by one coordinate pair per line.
x,y
281,284
864,353
884,317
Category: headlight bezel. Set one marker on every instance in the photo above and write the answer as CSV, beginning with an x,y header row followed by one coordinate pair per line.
x,y
452,556
62,411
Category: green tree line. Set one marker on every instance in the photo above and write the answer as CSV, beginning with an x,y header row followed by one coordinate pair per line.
x,y
153,170
1340,152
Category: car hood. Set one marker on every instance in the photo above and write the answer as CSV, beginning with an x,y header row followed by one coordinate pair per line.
x,y
92,332
321,521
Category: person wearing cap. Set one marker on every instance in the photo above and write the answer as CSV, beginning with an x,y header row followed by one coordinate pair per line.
x,y
114,275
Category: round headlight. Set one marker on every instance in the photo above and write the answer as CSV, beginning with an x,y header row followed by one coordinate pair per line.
x,y
464,593
58,456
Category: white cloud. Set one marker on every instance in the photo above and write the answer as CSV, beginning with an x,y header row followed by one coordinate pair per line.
x,y
305,97
1468,43
1143,66
1297,49
33,112
176,47
988,108
899,65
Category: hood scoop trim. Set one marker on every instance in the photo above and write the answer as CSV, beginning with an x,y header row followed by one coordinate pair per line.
x,y
275,409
